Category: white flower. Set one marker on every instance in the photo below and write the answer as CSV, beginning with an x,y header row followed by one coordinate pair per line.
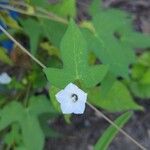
x,y
72,99
5,78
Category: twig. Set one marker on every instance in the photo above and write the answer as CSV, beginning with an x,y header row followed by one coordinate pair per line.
x,y
99,113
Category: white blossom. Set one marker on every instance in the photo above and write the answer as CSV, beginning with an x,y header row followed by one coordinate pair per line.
x,y
72,99
5,78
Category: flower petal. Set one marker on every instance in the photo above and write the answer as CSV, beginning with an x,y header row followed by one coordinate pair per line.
x,y
73,89
72,99
60,96
79,108
5,78
67,108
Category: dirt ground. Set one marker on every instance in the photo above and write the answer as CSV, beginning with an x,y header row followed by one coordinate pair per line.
x,y
85,129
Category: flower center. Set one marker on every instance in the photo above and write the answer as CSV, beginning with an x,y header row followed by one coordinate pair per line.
x,y
74,97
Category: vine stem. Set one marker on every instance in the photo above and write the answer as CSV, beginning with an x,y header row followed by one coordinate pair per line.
x,y
98,112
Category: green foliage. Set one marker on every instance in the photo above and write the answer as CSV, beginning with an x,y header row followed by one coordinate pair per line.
x,y
4,57
75,64
27,119
139,82
111,132
53,91
117,99
13,136
9,21
46,28
114,39
62,8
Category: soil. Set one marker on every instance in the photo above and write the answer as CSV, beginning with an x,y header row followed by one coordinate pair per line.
x,y
85,129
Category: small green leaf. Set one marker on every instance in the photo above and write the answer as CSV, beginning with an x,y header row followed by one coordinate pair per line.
x,y
111,132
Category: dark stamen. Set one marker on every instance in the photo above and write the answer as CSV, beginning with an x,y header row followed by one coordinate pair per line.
x,y
75,97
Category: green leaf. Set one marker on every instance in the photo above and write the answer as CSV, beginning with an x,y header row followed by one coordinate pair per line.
x,y
140,90
136,39
64,8
107,84
114,38
32,133
106,46
111,132
13,136
139,82
39,105
4,57
117,99
95,7
20,148
9,21
27,120
9,114
33,30
54,31
40,3
74,55
144,59
53,91
146,77
43,28
137,71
